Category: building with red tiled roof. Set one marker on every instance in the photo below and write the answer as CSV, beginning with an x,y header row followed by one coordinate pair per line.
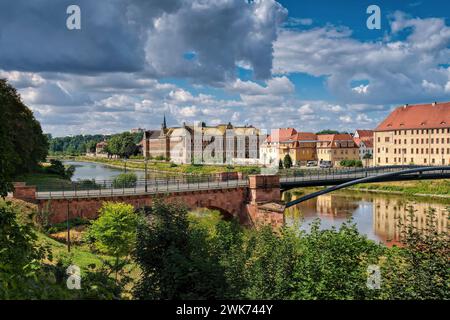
x,y
364,140
300,146
414,134
336,147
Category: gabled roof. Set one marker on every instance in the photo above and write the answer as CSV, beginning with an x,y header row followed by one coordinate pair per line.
x,y
421,116
368,143
280,135
303,136
363,134
333,139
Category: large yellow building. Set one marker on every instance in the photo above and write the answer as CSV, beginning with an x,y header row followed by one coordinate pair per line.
x,y
416,134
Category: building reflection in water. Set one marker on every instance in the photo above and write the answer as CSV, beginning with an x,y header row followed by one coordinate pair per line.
x,y
376,215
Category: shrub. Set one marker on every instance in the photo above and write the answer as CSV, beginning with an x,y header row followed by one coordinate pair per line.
x,y
125,180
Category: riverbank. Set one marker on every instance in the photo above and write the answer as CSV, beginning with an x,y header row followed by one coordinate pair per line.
x,y
420,188
168,167
437,189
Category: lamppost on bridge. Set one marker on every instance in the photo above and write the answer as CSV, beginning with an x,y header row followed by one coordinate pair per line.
x,y
146,161
125,165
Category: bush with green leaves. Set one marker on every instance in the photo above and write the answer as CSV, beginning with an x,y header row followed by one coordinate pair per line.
x,y
114,232
125,180
57,167
351,163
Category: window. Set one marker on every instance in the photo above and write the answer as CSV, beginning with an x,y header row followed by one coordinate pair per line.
x,y
412,141
387,160
379,160
412,151
425,160
379,140
386,139
405,141
433,161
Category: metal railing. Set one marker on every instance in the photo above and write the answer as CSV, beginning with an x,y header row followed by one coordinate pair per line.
x,y
99,188
104,188
326,174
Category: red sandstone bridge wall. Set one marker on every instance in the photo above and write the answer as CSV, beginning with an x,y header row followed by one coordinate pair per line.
x,y
231,202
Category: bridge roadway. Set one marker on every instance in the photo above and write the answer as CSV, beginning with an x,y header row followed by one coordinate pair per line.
x,y
318,178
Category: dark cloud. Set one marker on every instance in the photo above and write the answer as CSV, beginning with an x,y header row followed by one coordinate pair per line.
x,y
34,37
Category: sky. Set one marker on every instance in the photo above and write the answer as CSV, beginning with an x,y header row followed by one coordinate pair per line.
x,y
310,65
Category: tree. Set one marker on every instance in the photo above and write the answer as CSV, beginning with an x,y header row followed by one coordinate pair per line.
x,y
328,131
122,145
20,257
280,164
287,161
22,143
178,260
114,232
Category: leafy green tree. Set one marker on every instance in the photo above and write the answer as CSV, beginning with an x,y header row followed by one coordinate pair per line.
x,y
20,257
125,180
22,143
57,167
280,164
328,131
114,232
176,259
287,162
122,145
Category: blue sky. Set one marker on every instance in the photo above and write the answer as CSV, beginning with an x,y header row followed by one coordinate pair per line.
x,y
311,65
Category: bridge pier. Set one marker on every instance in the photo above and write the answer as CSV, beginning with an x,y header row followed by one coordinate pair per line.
x,y
265,207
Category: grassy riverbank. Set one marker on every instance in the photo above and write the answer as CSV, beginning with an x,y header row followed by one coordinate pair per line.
x,y
170,167
416,188
43,179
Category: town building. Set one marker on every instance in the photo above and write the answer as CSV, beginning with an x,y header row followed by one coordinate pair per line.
x,y
364,140
100,149
199,143
336,147
414,134
300,146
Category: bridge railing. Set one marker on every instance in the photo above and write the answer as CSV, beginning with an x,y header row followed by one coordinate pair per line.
x,y
339,173
141,186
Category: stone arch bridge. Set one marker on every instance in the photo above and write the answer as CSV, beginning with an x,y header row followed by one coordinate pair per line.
x,y
253,201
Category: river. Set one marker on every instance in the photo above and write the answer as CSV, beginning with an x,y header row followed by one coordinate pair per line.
x,y
97,171
376,215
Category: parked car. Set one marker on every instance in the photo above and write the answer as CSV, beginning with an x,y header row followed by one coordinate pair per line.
x,y
326,164
311,164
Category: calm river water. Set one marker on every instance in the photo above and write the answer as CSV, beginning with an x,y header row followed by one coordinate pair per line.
x,y
376,215
97,171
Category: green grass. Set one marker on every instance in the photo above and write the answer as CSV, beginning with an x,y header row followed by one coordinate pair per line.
x,y
171,167
428,187
43,179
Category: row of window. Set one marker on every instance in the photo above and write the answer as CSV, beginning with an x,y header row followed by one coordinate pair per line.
x,y
417,140
404,161
417,151
421,131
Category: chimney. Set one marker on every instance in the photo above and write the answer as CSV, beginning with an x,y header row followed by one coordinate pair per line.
x,y
405,105
434,104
